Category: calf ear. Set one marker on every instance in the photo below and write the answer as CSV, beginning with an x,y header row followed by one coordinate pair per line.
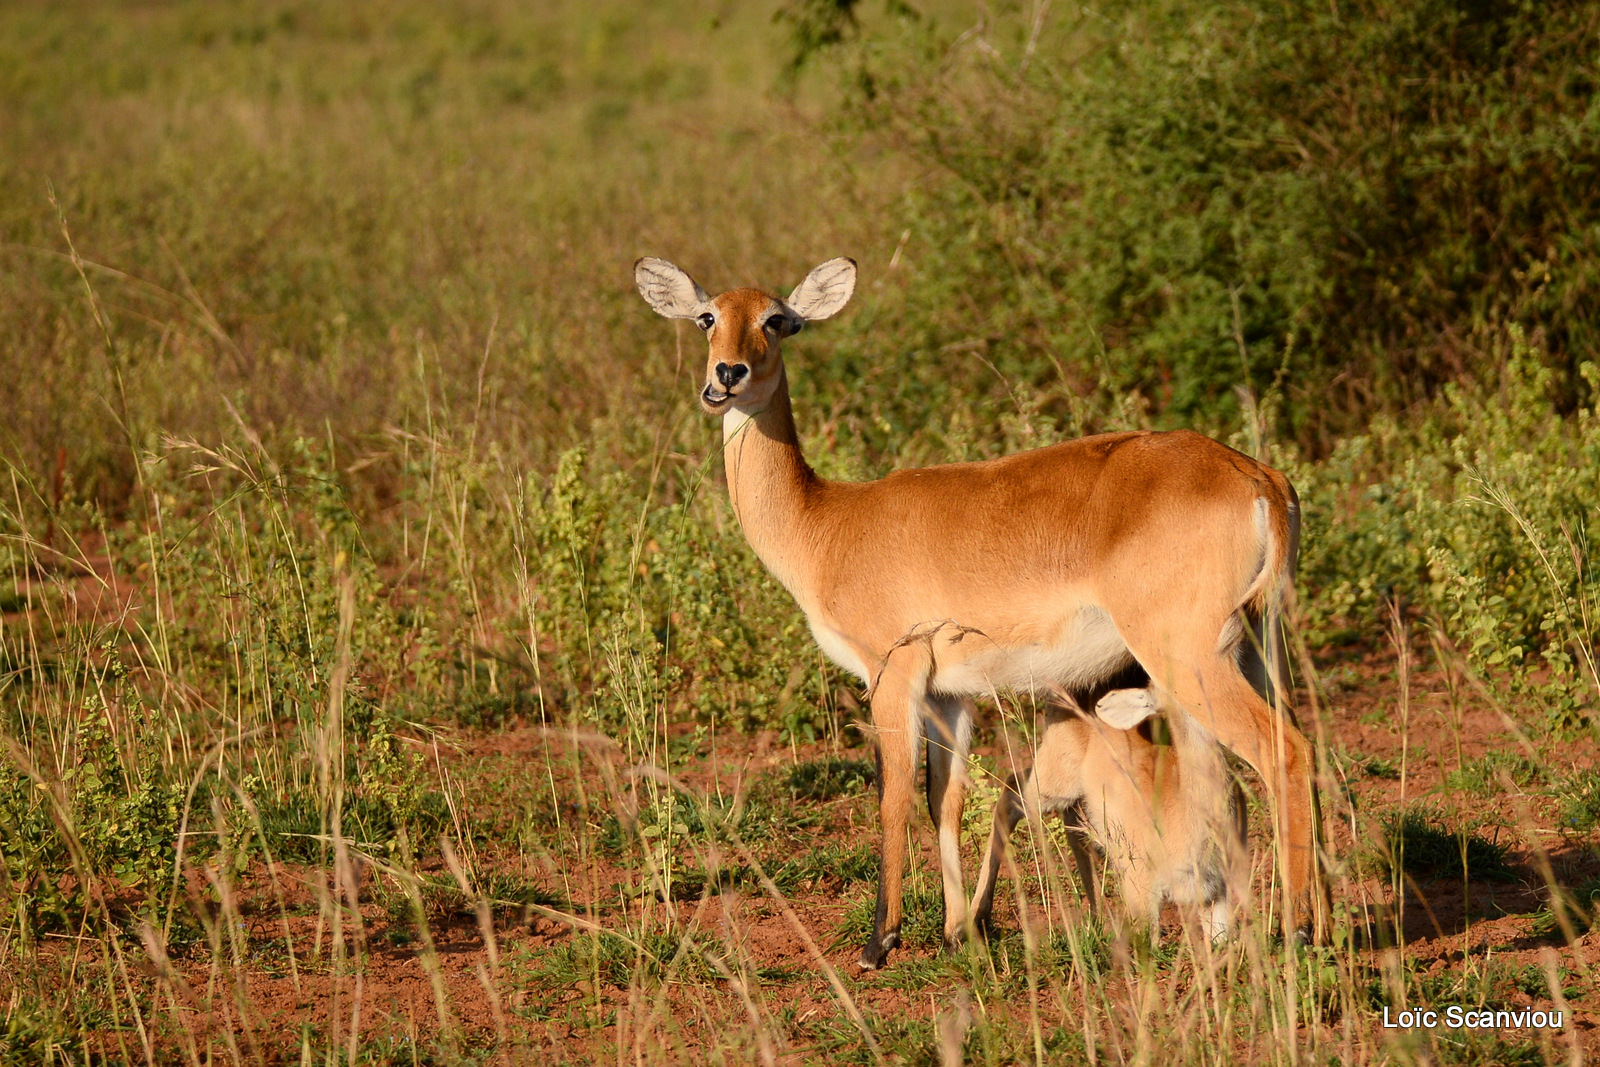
x,y
1123,709
825,290
668,289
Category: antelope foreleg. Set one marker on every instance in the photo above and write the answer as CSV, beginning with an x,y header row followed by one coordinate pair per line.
x,y
949,731
898,731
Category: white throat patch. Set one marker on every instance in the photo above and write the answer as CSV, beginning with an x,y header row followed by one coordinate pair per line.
x,y
733,421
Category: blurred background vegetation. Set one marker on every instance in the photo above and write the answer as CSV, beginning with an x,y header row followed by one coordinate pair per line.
x,y
318,331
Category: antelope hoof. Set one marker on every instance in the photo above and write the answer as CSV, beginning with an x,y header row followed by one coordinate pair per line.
x,y
876,951
981,931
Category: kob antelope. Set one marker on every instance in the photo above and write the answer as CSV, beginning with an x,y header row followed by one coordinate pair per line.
x,y
1056,567
1168,816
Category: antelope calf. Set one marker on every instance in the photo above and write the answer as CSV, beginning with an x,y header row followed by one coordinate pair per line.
x,y
1058,567
1167,816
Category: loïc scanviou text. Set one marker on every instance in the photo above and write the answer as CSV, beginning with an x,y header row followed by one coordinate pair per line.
x,y
1455,1017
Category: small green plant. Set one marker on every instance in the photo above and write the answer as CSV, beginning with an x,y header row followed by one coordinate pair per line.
x,y
1089,948
1579,798
38,1030
832,777
1467,1048
1384,767
1486,983
922,926
1421,843
833,864
508,890
1580,905
108,829
1482,776
549,976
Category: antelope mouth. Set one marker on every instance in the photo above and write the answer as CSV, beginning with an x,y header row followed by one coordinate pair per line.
x,y
713,401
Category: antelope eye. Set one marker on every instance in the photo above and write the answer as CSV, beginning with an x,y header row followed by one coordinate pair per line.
x,y
704,320
778,325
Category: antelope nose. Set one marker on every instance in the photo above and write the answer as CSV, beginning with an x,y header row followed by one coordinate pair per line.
x,y
730,376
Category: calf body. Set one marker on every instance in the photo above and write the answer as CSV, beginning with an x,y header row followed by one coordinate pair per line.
x,y
1168,816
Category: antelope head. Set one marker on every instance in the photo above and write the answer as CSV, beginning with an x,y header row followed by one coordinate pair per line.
x,y
745,327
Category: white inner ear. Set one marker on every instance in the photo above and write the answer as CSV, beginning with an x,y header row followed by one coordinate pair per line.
x,y
825,290
667,288
1123,709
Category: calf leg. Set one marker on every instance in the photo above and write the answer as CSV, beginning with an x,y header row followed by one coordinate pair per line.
x,y
1008,811
1083,857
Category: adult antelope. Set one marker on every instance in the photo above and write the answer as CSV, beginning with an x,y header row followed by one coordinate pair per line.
x,y
1056,567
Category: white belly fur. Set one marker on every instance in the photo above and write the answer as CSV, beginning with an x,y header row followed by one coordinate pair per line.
x,y
836,648
1088,650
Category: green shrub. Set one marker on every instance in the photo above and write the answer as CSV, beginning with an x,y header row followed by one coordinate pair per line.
x,y
1158,212
1478,513
1186,196
103,832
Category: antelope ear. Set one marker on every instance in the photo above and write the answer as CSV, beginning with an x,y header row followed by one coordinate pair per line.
x,y
1123,709
825,290
668,289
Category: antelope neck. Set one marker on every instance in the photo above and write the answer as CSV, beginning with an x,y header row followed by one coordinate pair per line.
x,y
769,482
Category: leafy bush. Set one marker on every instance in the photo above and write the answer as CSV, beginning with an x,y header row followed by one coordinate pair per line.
x,y
1184,196
1478,512
77,847
650,608
1164,211
386,808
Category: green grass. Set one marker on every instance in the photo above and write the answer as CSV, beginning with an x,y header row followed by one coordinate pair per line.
x,y
1482,776
922,927
835,864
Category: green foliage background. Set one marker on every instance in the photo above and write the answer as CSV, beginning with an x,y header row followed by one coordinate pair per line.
x,y
1349,200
